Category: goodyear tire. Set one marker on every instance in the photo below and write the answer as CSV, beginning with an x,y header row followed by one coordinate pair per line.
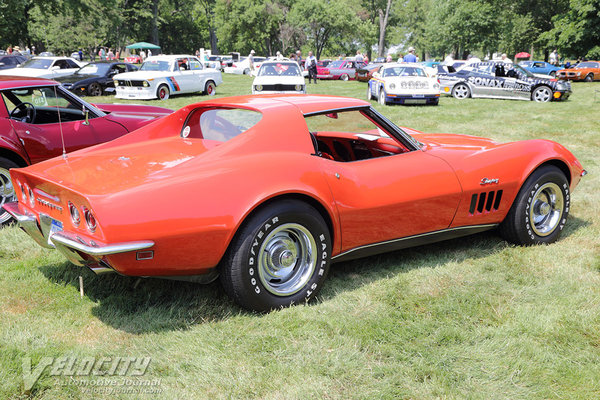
x,y
540,210
7,191
163,92
279,257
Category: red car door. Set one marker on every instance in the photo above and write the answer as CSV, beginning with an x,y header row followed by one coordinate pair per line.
x,y
44,141
386,198
44,117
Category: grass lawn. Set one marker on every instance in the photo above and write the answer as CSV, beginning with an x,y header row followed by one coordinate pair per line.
x,y
470,318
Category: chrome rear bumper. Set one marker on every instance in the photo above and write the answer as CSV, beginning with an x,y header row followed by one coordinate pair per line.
x,y
72,246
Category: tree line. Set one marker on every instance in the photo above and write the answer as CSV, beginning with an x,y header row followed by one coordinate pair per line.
x,y
328,27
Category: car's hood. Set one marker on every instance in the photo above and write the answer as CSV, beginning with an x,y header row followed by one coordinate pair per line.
x,y
31,72
132,116
141,75
275,80
462,142
75,78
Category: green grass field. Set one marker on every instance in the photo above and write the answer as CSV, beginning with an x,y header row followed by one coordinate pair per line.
x,y
472,318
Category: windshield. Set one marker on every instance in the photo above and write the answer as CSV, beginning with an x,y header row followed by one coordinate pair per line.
x,y
403,71
279,69
586,65
336,64
94,69
217,124
155,65
38,63
520,70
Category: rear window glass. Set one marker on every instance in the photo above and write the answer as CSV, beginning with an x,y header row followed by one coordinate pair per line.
x,y
220,124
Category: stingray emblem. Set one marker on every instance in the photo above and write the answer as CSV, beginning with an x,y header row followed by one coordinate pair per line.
x,y
487,181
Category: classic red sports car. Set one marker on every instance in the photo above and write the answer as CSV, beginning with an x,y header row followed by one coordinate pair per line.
x,y
133,59
340,69
38,115
267,209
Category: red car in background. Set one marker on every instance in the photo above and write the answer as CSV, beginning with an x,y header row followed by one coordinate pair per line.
x,y
365,73
38,114
340,69
133,59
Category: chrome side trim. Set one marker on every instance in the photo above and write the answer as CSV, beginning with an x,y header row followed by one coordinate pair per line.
x,y
60,238
410,241
27,222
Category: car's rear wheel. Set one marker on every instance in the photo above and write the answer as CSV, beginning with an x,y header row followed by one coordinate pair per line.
x,y
382,97
163,92
542,94
7,191
279,257
461,91
344,77
247,71
210,88
540,210
589,78
94,89
552,74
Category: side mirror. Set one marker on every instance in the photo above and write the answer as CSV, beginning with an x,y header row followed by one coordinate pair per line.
x,y
86,112
54,68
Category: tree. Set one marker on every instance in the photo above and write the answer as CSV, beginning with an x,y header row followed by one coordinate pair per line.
x,y
323,20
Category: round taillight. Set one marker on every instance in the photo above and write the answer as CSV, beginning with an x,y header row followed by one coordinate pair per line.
x,y
75,216
90,220
24,190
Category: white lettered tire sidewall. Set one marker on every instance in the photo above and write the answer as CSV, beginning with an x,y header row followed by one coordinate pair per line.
x,y
519,225
242,278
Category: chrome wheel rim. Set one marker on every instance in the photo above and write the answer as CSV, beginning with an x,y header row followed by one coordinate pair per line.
x,y
7,193
546,209
344,77
461,92
287,259
542,94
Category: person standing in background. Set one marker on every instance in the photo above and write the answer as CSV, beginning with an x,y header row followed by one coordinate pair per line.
x,y
251,61
410,57
311,66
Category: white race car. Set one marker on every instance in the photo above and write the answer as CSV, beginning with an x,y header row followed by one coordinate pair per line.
x,y
279,77
404,83
242,67
166,75
46,67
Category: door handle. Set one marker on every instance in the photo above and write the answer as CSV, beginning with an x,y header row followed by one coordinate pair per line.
x,y
337,175
27,132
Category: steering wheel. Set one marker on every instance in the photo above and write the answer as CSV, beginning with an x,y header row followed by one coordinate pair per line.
x,y
29,112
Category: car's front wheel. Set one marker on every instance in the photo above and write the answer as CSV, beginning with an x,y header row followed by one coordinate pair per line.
x,y
7,191
94,89
552,74
589,78
369,94
279,257
540,210
163,92
344,77
461,91
382,97
542,94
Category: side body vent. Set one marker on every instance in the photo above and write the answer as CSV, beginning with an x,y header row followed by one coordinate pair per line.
x,y
485,201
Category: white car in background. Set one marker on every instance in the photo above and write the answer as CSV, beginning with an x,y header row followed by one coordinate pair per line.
x,y
404,83
46,67
242,67
279,77
160,77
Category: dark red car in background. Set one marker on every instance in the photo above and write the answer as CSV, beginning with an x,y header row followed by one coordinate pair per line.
x,y
37,115
340,69
365,73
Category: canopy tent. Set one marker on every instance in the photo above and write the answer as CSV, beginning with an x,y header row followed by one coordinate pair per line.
x,y
142,45
522,54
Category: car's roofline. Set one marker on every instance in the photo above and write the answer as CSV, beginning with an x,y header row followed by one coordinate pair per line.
x,y
13,82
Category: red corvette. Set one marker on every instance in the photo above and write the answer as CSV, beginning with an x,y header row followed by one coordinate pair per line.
x,y
37,114
267,209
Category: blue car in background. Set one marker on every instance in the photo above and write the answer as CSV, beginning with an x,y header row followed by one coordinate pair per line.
x,y
540,67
